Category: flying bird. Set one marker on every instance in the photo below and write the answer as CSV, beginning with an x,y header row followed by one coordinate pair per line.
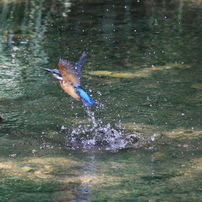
x,y
70,79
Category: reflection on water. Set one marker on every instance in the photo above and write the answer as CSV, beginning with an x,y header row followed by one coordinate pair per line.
x,y
141,140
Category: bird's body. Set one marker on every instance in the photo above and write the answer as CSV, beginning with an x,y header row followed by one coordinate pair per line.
x,y
69,78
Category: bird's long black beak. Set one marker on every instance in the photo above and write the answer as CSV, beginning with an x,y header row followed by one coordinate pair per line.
x,y
48,70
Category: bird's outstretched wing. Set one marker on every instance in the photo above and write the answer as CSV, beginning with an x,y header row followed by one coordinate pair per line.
x,y
68,72
71,73
79,64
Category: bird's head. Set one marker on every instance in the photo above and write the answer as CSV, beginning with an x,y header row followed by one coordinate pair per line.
x,y
56,74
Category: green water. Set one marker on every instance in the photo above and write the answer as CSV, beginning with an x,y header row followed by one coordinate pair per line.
x,y
141,140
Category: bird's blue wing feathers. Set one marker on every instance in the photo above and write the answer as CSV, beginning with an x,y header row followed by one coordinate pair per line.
x,y
86,99
77,67
79,64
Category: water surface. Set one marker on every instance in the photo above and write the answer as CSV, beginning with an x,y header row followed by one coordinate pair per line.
x,y
140,141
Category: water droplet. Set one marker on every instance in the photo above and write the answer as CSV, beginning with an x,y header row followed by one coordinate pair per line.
x,y
63,128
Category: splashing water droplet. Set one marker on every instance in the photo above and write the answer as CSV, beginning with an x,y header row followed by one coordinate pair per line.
x,y
100,136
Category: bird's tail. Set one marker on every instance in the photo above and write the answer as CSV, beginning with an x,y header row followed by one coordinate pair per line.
x,y
86,99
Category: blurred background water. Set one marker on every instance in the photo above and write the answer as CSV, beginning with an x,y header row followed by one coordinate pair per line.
x,y
141,140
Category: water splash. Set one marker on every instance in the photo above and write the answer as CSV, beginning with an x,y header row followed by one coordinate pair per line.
x,y
99,136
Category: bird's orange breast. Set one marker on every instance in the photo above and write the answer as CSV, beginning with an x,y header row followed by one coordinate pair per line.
x,y
68,88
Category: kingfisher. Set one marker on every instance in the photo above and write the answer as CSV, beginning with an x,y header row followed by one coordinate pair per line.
x,y
70,79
